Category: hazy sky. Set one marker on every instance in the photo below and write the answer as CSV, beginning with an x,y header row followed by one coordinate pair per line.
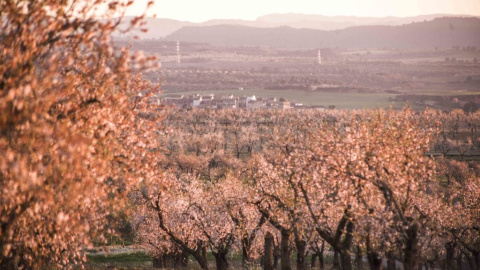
x,y
202,10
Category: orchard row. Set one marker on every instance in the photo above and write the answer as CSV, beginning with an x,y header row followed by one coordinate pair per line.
x,y
358,183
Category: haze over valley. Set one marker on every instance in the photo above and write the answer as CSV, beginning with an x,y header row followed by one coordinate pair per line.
x,y
430,60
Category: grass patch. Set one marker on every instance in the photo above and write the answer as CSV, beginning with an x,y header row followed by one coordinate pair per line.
x,y
141,260
138,256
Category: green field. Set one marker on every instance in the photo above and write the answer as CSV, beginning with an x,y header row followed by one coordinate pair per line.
x,y
133,260
437,92
341,100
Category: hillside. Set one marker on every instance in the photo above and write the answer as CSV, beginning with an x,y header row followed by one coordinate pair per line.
x,y
441,32
159,27
314,21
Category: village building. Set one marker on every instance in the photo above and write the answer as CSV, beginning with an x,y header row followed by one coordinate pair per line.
x,y
225,102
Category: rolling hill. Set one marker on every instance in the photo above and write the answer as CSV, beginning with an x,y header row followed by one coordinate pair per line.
x,y
159,28
440,32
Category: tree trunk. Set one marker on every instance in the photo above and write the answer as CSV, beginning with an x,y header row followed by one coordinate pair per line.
x,y
221,260
184,260
459,262
204,258
245,256
157,261
336,262
470,261
375,261
450,251
268,258
200,256
276,256
321,262
275,260
301,250
391,263
285,250
320,256
410,259
476,255
178,260
358,258
167,261
346,260
313,263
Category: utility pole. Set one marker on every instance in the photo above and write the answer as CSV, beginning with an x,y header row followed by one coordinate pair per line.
x,y
178,52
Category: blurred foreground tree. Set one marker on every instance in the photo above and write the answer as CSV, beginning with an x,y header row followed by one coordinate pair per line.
x,y
68,101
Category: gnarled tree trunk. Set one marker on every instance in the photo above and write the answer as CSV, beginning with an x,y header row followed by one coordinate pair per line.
x,y
268,257
301,250
336,261
285,250
391,263
313,263
450,252
410,256
157,261
374,260
358,258
346,260
221,260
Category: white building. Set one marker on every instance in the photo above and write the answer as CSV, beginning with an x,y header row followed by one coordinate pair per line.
x,y
196,102
248,99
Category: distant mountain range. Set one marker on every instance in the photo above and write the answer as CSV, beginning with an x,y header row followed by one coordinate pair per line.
x,y
321,22
442,32
159,28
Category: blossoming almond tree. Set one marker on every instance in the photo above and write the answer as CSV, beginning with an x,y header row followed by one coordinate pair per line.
x,y
460,222
327,196
194,216
380,175
275,180
249,223
65,127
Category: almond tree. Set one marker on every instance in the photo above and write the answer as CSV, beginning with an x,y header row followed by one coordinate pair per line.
x,y
366,176
324,186
461,219
317,246
165,252
249,224
395,183
195,215
275,179
467,231
65,128
208,212
162,207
